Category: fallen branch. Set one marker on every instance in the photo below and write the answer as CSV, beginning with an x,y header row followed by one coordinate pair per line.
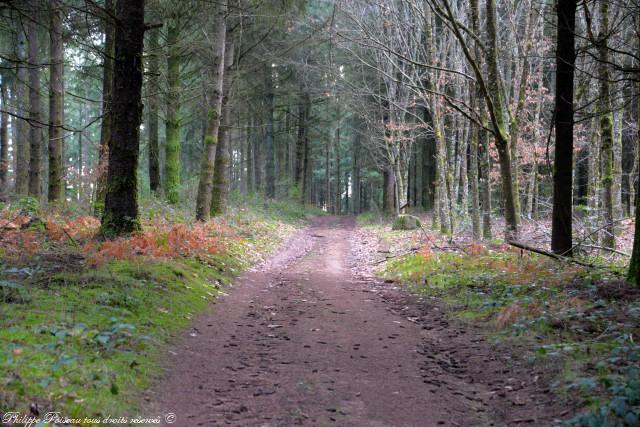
x,y
387,258
604,248
549,254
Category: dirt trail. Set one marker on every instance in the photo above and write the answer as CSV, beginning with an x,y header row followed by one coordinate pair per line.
x,y
302,341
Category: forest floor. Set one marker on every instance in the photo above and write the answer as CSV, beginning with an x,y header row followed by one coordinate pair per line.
x,y
314,338
350,323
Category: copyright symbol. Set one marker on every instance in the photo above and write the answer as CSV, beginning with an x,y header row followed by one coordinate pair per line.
x,y
170,418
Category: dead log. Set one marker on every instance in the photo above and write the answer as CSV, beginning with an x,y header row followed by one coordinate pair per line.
x,y
549,254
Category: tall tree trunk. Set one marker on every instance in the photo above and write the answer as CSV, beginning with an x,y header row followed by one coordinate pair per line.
x,y
473,181
484,172
270,172
4,136
444,180
388,196
21,137
533,177
216,74
494,93
152,125
35,111
515,118
56,103
428,162
303,118
346,192
172,122
633,276
338,194
606,127
618,212
412,180
308,183
251,184
108,64
220,192
121,200
84,119
593,189
355,176
327,176
258,163
484,160
561,224
463,174
244,145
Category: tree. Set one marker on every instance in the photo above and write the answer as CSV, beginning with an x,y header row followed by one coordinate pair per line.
x,y
56,102
172,121
220,191
633,275
108,64
215,75
495,102
21,137
35,110
121,199
152,121
606,125
561,225
270,172
4,137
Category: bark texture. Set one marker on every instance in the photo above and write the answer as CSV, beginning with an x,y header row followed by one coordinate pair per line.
x,y
121,200
221,170
172,123
152,120
561,225
56,103
214,98
35,111
107,86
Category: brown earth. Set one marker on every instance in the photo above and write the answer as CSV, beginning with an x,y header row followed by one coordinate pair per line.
x,y
308,339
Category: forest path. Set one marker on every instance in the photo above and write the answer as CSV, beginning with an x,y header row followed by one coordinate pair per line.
x,y
303,341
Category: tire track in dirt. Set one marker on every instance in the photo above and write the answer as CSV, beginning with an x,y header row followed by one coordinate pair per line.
x,y
305,341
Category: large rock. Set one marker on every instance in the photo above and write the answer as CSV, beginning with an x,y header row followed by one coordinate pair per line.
x,y
406,222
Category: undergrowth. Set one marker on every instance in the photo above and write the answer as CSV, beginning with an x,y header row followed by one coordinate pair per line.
x,y
582,319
